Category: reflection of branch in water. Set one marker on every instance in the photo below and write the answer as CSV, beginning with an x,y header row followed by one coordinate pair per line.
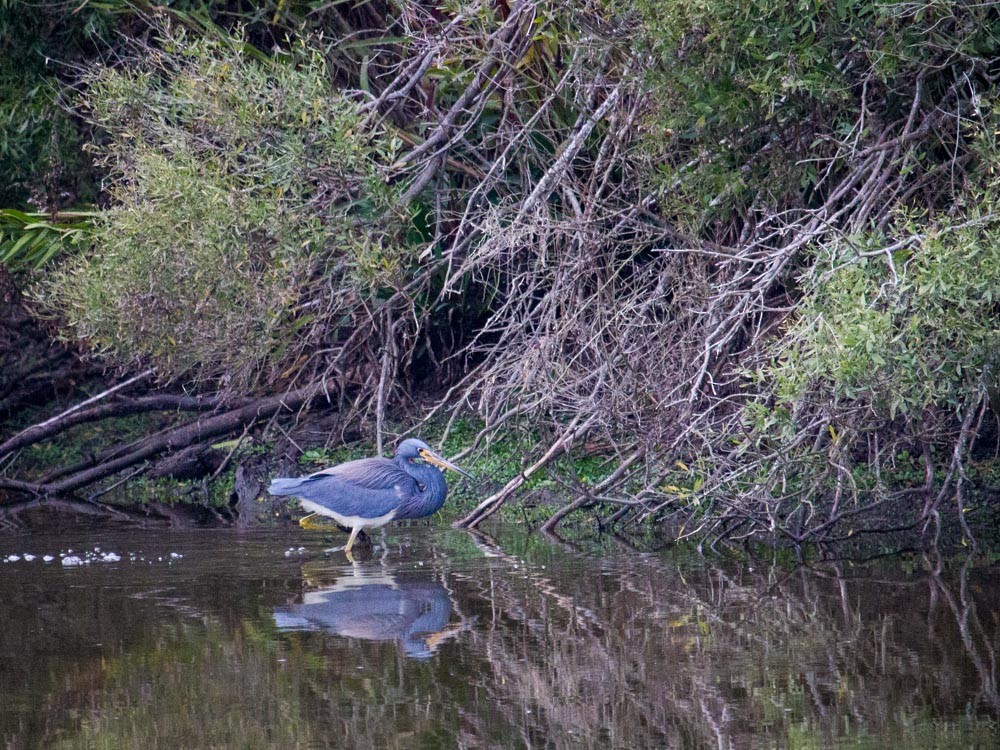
x,y
700,655
967,620
616,651
576,665
542,582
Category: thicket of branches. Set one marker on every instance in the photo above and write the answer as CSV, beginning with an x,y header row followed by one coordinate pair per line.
x,y
750,250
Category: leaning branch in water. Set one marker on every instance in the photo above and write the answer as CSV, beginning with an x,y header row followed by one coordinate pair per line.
x,y
549,527
492,504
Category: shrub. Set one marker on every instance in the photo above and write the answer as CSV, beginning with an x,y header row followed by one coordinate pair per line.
x,y
758,101
244,194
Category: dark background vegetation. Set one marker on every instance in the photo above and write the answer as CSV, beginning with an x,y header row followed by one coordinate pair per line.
x,y
711,270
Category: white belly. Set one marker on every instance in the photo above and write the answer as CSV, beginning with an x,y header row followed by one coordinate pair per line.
x,y
351,522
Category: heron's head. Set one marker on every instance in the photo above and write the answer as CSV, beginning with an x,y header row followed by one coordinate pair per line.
x,y
413,450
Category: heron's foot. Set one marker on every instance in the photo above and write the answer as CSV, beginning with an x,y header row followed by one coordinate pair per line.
x,y
357,553
308,522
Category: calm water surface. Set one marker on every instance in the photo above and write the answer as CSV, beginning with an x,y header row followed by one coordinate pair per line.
x,y
453,640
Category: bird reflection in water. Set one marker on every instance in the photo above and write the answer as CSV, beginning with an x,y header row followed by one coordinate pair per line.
x,y
373,605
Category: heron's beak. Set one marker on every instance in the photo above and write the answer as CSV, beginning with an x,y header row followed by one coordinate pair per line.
x,y
434,458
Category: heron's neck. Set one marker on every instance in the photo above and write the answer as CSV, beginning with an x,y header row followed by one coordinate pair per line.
x,y
432,480
431,493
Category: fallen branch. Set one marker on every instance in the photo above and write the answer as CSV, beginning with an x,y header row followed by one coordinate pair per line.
x,y
172,440
492,504
117,408
99,397
549,527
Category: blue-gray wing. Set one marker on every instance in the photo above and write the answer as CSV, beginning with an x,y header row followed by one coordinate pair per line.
x,y
370,473
370,488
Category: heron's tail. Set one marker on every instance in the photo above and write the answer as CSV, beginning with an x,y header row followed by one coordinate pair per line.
x,y
284,486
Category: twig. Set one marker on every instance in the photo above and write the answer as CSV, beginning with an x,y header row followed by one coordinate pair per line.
x,y
550,525
491,504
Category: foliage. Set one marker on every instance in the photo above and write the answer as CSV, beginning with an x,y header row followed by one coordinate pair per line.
x,y
41,157
902,330
30,240
756,99
41,161
236,187
891,348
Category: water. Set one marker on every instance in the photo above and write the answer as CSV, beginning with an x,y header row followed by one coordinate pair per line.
x,y
452,640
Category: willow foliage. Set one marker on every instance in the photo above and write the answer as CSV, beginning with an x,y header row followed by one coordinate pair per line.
x,y
235,186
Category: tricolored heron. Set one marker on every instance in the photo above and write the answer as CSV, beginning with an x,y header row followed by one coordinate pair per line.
x,y
373,491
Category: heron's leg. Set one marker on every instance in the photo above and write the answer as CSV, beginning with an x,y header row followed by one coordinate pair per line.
x,y
350,541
